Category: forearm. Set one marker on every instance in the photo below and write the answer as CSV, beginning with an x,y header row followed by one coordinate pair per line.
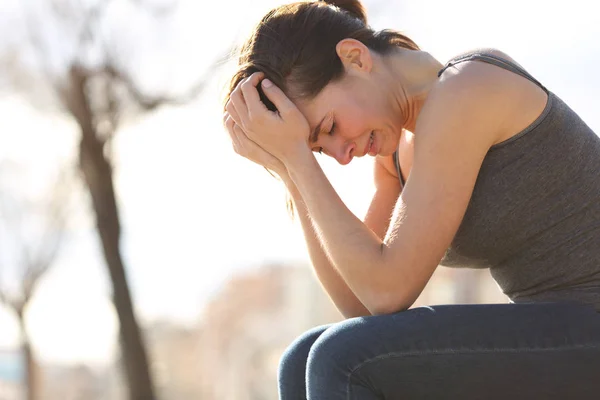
x,y
340,293
356,252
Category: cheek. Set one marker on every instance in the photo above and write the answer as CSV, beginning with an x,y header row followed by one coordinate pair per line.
x,y
356,121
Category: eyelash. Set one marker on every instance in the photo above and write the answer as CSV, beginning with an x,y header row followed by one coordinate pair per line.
x,y
330,133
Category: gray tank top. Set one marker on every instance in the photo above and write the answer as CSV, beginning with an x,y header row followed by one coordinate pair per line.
x,y
534,215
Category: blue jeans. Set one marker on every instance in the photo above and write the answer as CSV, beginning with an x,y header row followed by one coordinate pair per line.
x,y
546,350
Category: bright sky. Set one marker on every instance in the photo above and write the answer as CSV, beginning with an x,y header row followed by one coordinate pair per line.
x,y
193,212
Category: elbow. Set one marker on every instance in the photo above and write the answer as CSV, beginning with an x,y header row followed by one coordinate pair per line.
x,y
385,299
359,310
386,310
389,305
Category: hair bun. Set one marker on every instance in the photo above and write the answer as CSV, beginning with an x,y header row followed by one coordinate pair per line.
x,y
352,7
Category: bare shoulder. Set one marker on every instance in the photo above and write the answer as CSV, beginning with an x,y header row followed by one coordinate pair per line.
x,y
475,64
508,100
468,94
501,54
493,71
488,50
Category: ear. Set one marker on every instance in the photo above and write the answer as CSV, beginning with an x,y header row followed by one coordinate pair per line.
x,y
355,56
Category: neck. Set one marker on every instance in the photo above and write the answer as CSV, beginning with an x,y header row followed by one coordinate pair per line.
x,y
412,74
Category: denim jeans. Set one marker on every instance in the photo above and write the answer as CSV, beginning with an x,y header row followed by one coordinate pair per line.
x,y
544,350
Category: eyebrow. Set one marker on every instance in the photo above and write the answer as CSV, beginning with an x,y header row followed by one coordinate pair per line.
x,y
315,133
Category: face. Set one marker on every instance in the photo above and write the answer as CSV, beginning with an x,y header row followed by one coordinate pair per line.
x,y
351,118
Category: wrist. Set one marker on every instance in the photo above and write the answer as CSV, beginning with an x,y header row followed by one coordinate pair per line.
x,y
298,158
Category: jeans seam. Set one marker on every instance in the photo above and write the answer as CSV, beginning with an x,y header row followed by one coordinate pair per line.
x,y
461,351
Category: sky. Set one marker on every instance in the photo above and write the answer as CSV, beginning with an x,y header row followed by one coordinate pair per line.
x,y
194,213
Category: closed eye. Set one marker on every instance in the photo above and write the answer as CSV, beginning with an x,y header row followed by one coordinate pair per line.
x,y
320,151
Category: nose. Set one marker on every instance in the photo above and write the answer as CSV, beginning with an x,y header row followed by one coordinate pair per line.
x,y
345,153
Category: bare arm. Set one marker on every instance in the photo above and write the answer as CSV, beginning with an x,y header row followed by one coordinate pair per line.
x,y
340,293
335,286
377,219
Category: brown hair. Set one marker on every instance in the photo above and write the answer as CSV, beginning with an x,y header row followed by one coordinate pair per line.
x,y
295,46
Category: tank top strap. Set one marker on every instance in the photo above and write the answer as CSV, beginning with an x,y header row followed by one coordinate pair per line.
x,y
397,164
492,59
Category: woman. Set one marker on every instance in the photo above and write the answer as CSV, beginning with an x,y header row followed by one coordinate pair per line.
x,y
477,165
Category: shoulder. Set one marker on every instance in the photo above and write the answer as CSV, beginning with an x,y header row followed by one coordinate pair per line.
x,y
486,75
471,68
476,95
486,50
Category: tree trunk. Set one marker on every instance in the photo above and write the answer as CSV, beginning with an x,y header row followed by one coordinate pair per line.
x,y
31,370
97,172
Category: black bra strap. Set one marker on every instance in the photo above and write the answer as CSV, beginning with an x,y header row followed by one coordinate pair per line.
x,y
397,163
492,59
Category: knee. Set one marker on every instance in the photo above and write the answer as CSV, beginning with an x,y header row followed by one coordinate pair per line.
x,y
292,365
336,347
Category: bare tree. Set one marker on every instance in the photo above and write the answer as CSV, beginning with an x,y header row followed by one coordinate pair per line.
x,y
97,95
32,231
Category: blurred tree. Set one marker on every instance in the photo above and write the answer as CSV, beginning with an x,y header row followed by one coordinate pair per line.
x,y
84,69
32,229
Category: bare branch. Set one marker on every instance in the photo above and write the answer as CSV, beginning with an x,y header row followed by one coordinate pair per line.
x,y
151,102
57,210
92,19
38,252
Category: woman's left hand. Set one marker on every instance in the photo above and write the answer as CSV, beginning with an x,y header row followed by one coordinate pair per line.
x,y
249,149
282,133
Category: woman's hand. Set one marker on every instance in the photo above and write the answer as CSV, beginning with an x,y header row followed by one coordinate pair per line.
x,y
245,147
284,133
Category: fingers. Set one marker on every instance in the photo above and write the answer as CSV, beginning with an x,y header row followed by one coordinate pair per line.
x,y
234,132
249,149
245,105
258,123
253,103
276,95
239,141
232,113
229,123
244,101
236,106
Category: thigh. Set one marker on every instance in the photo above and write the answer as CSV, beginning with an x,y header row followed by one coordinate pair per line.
x,y
518,351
